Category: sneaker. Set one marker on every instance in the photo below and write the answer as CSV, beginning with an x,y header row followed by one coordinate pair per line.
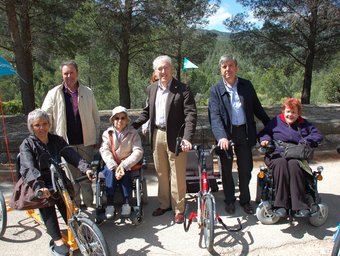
x,y
280,212
61,250
110,211
302,213
126,210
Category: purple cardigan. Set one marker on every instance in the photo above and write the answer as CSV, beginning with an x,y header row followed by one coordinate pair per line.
x,y
278,129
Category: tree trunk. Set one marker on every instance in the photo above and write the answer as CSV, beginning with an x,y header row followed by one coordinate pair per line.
x,y
22,51
124,90
307,80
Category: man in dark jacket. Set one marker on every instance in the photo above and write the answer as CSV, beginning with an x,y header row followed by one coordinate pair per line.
x,y
233,103
171,109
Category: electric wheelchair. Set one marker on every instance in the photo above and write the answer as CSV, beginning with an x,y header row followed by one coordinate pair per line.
x,y
266,196
139,192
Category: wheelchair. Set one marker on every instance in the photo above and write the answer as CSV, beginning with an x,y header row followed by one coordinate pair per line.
x,y
266,196
139,193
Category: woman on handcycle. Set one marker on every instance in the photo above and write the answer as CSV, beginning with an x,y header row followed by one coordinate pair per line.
x,y
35,154
121,149
290,175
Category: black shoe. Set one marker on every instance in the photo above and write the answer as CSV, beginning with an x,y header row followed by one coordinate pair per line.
x,y
230,208
280,212
302,213
247,208
83,207
160,211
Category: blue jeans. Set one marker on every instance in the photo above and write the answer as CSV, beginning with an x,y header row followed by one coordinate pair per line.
x,y
111,184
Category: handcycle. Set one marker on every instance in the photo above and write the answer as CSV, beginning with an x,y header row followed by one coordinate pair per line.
x,y
336,236
266,195
82,233
206,215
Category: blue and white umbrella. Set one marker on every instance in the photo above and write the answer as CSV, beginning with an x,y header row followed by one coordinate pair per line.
x,y
6,68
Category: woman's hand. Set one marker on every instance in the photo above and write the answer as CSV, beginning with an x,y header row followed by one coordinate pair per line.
x,y
120,172
45,193
264,143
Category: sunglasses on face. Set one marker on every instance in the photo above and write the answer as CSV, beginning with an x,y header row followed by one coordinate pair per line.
x,y
120,118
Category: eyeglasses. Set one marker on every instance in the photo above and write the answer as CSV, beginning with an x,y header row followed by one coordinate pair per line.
x,y
120,118
38,126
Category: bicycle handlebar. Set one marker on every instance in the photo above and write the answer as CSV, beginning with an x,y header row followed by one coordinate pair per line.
x,y
80,179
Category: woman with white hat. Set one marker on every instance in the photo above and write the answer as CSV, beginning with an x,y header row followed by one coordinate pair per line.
x,y
121,149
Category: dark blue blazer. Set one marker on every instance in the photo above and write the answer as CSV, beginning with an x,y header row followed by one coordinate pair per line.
x,y
220,110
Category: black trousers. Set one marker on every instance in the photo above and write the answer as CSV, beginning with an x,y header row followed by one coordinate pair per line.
x,y
244,166
49,216
289,182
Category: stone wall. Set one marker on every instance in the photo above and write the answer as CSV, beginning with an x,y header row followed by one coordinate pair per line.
x,y
325,117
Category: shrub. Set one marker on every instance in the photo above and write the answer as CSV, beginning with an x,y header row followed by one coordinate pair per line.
x,y
12,107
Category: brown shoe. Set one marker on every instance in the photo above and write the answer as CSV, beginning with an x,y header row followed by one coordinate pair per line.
x,y
179,218
160,211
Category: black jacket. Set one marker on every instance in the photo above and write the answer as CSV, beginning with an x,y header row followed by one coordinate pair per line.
x,y
35,159
220,110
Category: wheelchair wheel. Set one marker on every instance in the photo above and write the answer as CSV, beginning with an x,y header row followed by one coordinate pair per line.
x,y
264,216
321,218
144,190
137,215
3,215
100,195
208,222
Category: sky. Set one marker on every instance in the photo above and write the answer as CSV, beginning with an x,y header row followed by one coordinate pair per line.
x,y
226,10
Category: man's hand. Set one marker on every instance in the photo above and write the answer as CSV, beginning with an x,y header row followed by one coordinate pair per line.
x,y
145,131
223,144
186,146
90,175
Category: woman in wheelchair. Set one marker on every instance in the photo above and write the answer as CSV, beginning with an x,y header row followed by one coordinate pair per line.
x,y
121,149
290,175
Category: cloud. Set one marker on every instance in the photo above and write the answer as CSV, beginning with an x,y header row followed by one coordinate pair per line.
x,y
218,18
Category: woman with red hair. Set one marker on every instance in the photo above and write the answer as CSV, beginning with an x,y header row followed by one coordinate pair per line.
x,y
289,174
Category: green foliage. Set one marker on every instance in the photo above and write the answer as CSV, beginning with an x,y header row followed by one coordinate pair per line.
x,y
91,32
326,83
274,85
304,31
12,107
332,87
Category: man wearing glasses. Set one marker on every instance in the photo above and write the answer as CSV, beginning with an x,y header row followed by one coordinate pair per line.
x,y
171,109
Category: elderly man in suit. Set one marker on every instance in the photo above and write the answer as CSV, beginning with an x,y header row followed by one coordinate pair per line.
x,y
233,103
172,112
